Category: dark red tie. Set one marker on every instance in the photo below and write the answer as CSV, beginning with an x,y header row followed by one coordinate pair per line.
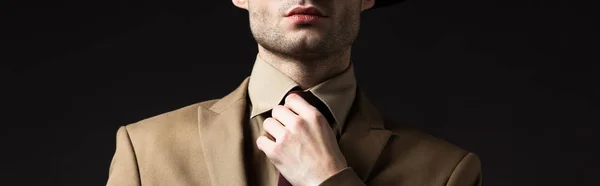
x,y
316,102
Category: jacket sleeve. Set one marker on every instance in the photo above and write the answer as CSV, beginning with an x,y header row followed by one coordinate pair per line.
x,y
467,172
346,177
123,167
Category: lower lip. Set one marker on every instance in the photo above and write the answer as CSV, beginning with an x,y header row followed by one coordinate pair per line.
x,y
304,18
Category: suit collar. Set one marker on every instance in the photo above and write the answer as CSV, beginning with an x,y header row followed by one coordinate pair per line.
x,y
364,137
221,134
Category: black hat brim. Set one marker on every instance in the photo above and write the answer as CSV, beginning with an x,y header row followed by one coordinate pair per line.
x,y
384,3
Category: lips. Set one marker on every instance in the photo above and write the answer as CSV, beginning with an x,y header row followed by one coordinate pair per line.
x,y
308,11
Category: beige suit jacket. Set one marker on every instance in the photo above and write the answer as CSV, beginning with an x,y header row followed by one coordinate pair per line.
x,y
202,144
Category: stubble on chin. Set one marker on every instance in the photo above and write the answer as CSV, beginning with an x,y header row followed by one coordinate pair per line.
x,y
304,42
300,43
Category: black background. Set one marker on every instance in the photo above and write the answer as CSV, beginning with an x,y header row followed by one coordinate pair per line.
x,y
512,81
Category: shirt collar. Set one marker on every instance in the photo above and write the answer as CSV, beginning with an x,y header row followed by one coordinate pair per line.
x,y
268,86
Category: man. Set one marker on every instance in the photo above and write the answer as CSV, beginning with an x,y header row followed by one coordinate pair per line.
x,y
299,119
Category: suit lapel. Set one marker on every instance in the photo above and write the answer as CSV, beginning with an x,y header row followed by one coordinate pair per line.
x,y
222,139
364,137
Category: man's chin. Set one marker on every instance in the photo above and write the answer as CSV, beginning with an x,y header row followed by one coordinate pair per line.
x,y
306,46
307,40
305,37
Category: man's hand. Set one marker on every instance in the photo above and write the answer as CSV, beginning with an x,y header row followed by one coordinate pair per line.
x,y
305,150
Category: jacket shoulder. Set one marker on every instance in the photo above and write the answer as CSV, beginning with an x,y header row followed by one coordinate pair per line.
x,y
167,144
183,117
420,141
422,157
163,130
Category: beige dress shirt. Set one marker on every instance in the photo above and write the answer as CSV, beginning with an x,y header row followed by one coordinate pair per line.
x,y
267,87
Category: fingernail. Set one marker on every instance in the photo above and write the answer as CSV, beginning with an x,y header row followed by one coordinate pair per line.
x,y
289,96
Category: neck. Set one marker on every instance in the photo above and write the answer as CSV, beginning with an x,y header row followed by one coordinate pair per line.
x,y
307,72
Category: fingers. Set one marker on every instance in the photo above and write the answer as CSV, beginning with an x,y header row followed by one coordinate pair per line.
x,y
266,145
287,117
301,107
274,128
